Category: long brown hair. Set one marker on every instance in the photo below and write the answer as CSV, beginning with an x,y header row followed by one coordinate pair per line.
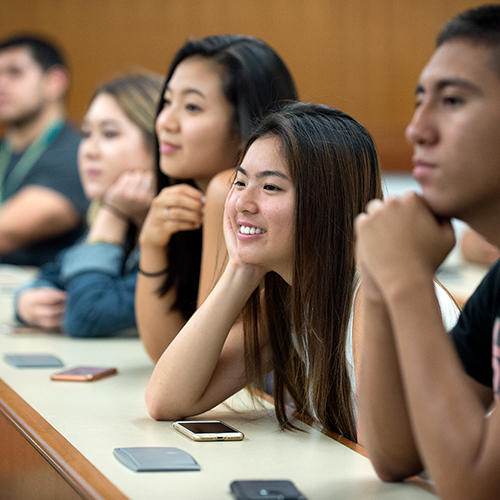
x,y
334,166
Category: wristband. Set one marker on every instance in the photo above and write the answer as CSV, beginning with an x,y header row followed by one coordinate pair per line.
x,y
152,275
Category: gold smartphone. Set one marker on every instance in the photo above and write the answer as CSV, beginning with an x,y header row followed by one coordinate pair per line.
x,y
84,373
208,430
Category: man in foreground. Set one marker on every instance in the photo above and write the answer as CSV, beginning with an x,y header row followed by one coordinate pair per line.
x,y
424,396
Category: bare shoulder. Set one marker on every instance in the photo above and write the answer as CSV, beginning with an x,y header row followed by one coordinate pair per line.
x,y
216,194
213,259
219,186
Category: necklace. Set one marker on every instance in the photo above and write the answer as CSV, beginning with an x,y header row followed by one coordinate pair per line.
x,y
30,156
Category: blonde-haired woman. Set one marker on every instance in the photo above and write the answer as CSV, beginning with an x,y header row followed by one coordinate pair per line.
x,y
89,290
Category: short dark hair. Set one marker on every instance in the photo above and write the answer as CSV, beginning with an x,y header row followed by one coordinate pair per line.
x,y
46,53
480,25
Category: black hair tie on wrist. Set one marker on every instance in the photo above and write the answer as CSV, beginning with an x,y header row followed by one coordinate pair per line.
x,y
152,275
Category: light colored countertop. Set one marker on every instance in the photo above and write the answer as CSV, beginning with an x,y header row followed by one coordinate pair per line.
x,y
95,417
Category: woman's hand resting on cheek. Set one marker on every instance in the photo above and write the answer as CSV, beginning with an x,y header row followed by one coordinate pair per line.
x,y
255,272
131,195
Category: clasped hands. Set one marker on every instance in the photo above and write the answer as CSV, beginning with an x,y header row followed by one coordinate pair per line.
x,y
400,239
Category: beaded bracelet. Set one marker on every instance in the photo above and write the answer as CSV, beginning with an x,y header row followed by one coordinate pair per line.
x,y
152,275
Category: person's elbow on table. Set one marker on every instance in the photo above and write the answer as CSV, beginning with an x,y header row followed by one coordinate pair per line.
x,y
161,406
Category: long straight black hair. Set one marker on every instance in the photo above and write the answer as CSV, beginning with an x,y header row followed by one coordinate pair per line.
x,y
256,81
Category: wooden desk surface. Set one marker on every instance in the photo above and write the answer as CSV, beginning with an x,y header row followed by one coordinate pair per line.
x,y
92,418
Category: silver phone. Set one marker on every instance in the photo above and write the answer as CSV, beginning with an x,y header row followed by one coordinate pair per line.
x,y
208,430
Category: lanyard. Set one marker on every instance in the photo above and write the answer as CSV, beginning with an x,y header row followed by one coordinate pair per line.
x,y
27,160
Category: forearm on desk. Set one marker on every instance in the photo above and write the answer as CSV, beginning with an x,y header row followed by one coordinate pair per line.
x,y
205,363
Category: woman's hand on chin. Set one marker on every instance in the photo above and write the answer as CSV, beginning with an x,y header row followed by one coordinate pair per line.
x,y
253,272
131,194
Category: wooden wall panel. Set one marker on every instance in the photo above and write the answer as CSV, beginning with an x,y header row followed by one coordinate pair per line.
x,y
362,56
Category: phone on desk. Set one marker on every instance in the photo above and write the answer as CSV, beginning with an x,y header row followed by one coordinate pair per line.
x,y
266,490
84,373
208,430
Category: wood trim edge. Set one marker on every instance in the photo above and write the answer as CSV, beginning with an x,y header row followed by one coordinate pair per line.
x,y
84,477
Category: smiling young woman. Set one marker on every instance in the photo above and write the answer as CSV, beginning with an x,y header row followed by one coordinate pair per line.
x,y
285,301
262,207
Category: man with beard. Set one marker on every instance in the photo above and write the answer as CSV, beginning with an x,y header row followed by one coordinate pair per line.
x,y
41,199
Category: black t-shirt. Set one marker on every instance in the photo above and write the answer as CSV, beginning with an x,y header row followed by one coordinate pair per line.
x,y
476,331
